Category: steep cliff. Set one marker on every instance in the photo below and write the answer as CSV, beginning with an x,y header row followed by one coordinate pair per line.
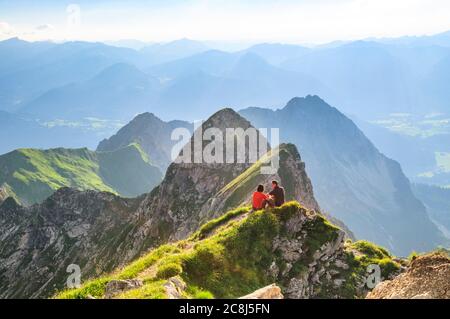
x,y
37,243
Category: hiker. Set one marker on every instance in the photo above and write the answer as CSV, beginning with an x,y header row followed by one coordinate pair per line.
x,y
260,200
277,193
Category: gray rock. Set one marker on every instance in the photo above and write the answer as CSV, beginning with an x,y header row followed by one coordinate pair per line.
x,y
174,288
115,287
274,270
340,264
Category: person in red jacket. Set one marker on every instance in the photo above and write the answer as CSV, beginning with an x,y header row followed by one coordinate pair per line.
x,y
260,200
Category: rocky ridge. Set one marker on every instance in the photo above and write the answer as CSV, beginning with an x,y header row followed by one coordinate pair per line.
x,y
296,248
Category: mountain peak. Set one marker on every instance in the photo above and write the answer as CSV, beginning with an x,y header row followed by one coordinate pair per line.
x,y
226,118
313,105
146,117
13,40
306,100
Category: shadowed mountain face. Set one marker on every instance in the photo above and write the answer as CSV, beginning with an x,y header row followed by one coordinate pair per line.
x,y
151,133
294,247
70,227
188,185
437,202
352,180
31,175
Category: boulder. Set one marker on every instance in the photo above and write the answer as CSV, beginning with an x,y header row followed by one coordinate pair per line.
x,y
174,288
269,292
115,287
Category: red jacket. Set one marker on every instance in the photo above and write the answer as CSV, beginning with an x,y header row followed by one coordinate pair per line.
x,y
258,199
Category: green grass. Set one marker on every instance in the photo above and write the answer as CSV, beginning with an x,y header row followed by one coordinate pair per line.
x,y
229,257
244,184
148,260
150,290
208,227
165,271
371,250
439,250
247,182
360,255
31,175
230,263
95,288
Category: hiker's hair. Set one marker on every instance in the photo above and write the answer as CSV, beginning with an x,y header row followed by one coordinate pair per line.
x,y
275,182
260,188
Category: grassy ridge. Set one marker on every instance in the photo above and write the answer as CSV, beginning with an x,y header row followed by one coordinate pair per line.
x,y
31,175
229,257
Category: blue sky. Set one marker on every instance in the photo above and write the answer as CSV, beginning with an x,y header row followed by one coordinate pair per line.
x,y
301,21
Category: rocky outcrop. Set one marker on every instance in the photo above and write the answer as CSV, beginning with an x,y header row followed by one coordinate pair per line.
x,y
174,288
317,266
428,277
38,243
269,292
291,174
115,287
99,231
291,246
175,204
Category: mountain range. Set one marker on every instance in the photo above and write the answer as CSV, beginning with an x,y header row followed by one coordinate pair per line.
x,y
354,182
100,231
367,78
372,80
141,224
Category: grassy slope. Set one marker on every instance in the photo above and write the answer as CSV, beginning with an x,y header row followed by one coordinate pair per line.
x,y
31,175
246,183
128,171
228,257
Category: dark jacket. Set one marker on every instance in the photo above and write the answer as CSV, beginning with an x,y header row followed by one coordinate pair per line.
x,y
278,193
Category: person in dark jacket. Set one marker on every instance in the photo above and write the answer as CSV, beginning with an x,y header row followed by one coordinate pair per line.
x,y
277,193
